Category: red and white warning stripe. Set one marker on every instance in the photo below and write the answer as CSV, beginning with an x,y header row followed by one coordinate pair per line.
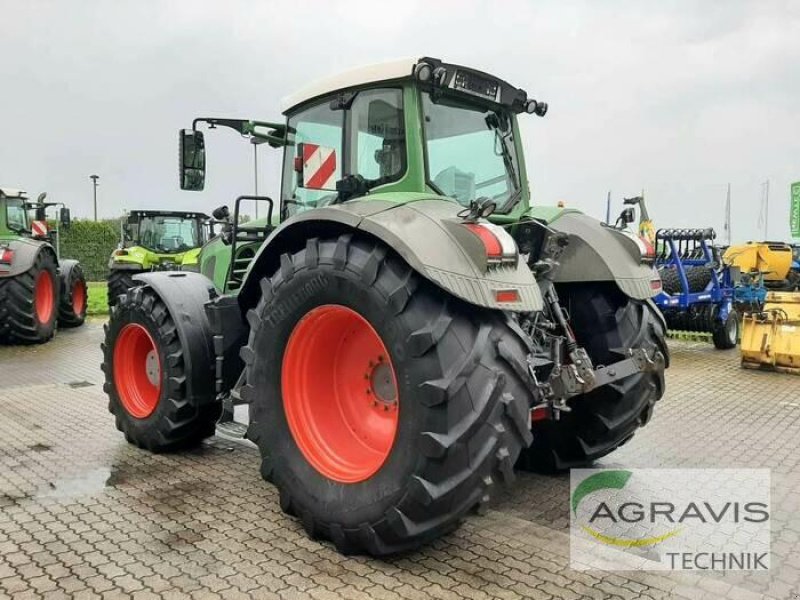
x,y
39,228
319,167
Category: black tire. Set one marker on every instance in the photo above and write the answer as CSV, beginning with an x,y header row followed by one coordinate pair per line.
x,y
19,320
178,421
462,398
119,282
74,299
607,324
726,333
697,278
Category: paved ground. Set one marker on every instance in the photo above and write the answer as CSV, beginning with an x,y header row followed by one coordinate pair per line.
x,y
83,514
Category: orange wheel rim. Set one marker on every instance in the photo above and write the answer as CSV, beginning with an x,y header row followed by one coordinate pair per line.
x,y
78,298
44,297
340,394
137,371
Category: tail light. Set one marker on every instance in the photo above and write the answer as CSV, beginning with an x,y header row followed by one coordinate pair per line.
x,y
646,248
120,253
6,256
498,243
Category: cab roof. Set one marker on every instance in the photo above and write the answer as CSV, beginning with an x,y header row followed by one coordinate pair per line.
x,y
191,214
448,79
12,193
396,69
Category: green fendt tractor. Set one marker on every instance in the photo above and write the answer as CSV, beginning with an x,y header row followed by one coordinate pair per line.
x,y
411,331
155,240
37,290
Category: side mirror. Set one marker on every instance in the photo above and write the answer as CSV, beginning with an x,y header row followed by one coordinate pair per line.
x,y
221,213
626,217
192,157
64,218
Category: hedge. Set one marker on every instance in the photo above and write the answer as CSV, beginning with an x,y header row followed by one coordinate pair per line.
x,y
91,243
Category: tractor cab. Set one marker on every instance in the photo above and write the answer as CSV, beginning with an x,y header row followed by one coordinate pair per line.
x,y
165,232
417,126
13,214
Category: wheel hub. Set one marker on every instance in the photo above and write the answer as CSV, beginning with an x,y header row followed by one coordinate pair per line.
x,y
381,383
152,368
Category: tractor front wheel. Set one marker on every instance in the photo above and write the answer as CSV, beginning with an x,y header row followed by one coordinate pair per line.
x,y
29,303
119,282
74,296
146,376
384,409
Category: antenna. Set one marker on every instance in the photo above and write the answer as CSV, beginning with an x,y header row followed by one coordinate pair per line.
x,y
728,215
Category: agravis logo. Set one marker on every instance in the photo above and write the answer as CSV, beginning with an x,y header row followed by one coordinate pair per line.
x,y
612,480
716,519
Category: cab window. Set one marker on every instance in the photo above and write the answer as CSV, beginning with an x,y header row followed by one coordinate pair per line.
x,y
364,136
315,137
16,218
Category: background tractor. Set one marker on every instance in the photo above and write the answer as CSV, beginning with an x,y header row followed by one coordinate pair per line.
x,y
37,290
411,330
155,240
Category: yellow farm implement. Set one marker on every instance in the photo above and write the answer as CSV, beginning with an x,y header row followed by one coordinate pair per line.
x,y
771,337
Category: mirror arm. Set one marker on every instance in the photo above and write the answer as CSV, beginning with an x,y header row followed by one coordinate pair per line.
x,y
235,124
276,137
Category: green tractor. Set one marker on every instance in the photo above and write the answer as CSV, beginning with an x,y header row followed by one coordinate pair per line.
x,y
155,240
37,290
403,329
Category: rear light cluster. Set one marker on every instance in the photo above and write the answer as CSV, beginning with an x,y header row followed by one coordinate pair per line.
x,y
648,250
498,243
6,256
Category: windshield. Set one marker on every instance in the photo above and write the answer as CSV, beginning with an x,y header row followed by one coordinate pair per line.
x,y
16,218
166,234
470,153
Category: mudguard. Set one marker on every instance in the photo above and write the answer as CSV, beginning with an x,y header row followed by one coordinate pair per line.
x,y
185,295
425,231
597,252
65,267
25,253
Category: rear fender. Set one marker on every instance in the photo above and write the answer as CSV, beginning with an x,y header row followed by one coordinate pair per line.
x,y
426,233
26,252
597,252
185,295
65,267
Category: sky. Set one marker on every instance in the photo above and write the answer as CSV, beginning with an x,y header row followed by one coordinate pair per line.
x,y
678,99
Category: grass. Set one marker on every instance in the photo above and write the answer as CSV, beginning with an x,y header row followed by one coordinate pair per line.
x,y
98,300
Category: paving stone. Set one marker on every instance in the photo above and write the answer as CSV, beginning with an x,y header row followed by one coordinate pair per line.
x,y
95,517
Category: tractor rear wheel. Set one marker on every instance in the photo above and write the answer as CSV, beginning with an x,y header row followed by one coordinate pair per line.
x,y
384,409
607,323
29,303
119,282
74,295
146,374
